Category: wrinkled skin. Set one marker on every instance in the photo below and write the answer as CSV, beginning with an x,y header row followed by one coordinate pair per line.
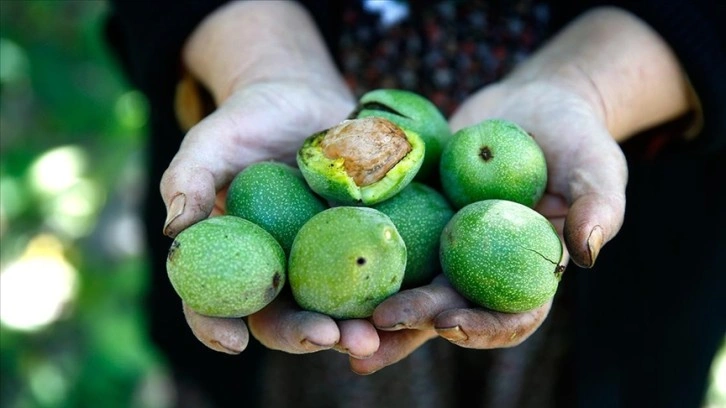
x,y
585,193
586,189
267,113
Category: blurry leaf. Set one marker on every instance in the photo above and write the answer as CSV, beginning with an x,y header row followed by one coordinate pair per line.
x,y
13,196
48,385
132,110
14,64
60,86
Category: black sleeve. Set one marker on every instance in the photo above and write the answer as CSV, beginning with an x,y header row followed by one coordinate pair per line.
x,y
696,31
147,37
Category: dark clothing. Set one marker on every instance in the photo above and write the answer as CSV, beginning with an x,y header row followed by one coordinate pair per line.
x,y
638,330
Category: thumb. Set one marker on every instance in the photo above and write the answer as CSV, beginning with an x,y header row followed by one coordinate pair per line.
x,y
226,335
210,155
262,122
596,186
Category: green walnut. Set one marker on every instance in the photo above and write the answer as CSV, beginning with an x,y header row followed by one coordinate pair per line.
x,y
345,261
495,159
274,196
226,266
411,111
361,161
502,255
419,213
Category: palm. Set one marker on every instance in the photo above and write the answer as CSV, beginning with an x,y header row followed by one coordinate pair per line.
x,y
263,121
269,121
586,179
582,158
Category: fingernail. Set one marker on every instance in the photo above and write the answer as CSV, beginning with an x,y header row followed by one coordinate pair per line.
x,y
397,326
452,333
224,348
594,243
312,345
176,208
342,350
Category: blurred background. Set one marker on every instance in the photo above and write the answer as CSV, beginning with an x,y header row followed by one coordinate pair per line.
x,y
73,269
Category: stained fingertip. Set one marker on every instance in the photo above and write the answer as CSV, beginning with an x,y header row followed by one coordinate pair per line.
x,y
593,219
396,312
453,334
395,327
188,191
416,308
308,343
584,250
222,348
358,338
353,356
176,209
226,335
313,346
314,329
295,339
594,243
485,329
282,325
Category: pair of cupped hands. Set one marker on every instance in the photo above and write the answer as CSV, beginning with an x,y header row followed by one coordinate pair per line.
x,y
578,96
604,77
269,119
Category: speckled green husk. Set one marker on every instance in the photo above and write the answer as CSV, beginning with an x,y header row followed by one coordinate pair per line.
x,y
419,213
502,255
515,168
226,267
274,196
410,111
345,261
329,179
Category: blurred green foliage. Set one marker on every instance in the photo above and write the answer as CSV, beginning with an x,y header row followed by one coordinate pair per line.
x,y
71,181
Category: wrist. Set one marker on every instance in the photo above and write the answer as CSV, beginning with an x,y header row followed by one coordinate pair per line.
x,y
620,66
247,42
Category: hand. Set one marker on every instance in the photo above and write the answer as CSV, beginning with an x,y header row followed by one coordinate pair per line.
x,y
616,89
584,199
605,77
258,123
262,121
281,89
408,319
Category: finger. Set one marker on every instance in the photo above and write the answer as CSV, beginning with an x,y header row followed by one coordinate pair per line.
x,y
596,186
281,325
416,308
226,335
358,338
485,329
393,348
189,185
210,155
